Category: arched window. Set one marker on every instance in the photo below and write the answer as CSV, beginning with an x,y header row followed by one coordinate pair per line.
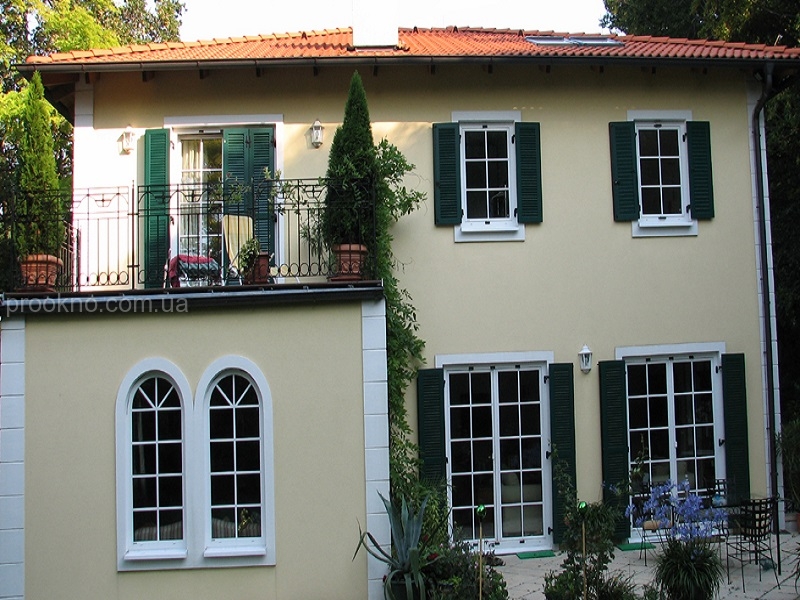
x,y
234,421
153,418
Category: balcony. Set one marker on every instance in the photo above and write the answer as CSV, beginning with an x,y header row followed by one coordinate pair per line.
x,y
185,236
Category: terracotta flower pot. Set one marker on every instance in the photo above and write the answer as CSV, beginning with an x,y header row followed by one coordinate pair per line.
x,y
40,272
349,262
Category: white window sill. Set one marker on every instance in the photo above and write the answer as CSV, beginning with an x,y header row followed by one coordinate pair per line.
x,y
154,554
514,233
233,551
642,228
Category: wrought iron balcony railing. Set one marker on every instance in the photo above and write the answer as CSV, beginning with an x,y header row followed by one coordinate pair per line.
x,y
183,235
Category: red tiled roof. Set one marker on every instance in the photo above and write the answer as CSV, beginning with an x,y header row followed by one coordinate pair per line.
x,y
444,43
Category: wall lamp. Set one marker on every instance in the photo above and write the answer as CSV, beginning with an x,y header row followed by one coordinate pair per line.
x,y
127,140
585,356
316,134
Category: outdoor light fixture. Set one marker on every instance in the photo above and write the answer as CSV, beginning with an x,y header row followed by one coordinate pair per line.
x,y
127,140
585,356
316,134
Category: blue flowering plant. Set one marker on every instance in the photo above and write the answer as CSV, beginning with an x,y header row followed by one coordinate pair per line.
x,y
688,567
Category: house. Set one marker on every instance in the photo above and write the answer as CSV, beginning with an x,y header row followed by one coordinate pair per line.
x,y
591,273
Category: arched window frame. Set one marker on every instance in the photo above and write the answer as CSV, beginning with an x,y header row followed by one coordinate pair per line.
x,y
256,550
154,552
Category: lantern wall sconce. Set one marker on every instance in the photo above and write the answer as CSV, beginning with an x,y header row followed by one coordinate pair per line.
x,y
585,356
316,134
127,140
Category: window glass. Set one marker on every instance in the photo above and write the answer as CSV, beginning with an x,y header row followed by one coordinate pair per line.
x,y
200,225
671,420
235,458
157,461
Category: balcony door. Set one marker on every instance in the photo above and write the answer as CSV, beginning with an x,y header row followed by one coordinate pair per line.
x,y
222,201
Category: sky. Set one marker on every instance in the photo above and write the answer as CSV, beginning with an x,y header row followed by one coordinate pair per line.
x,y
207,19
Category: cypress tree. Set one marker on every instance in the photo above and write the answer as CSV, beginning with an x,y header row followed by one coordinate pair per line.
x,y
349,213
38,208
39,229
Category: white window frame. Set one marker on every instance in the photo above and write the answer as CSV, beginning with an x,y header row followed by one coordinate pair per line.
x,y
196,550
670,225
541,360
155,552
497,229
263,546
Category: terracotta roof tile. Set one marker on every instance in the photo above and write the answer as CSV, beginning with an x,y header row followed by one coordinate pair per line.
x,y
449,42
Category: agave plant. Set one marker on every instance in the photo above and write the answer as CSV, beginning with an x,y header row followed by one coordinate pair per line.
x,y
407,557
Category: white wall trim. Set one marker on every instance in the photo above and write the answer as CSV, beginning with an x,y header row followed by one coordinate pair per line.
x,y
12,458
451,360
623,352
376,435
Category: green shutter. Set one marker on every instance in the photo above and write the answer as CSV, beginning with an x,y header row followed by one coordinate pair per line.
x,y
562,434
624,178
529,172
246,156
262,162
737,455
430,425
614,435
701,188
446,174
156,206
236,172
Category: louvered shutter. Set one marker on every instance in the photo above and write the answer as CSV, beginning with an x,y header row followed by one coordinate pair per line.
x,y
701,188
624,177
529,172
562,434
236,172
155,206
737,454
614,435
446,174
430,425
262,163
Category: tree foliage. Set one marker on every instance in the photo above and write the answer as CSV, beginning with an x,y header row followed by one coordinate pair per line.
x,y
764,22
35,27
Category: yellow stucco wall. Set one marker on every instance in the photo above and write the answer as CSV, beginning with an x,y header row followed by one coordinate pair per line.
x,y
579,277
318,415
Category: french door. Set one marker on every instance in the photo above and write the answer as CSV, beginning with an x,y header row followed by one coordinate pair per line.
x,y
497,428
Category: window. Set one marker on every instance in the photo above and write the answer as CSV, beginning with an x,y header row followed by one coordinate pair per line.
x,y
661,174
152,421
157,447
234,449
488,423
487,176
194,487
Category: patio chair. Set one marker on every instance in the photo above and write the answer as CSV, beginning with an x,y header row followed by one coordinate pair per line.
x,y
751,541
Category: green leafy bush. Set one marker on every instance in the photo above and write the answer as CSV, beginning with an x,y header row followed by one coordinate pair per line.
x,y
456,575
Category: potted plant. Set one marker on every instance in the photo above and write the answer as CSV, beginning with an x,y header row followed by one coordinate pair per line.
x,y
347,221
688,567
40,230
408,557
254,264
788,446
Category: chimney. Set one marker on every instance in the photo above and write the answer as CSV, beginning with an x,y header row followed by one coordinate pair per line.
x,y
375,23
